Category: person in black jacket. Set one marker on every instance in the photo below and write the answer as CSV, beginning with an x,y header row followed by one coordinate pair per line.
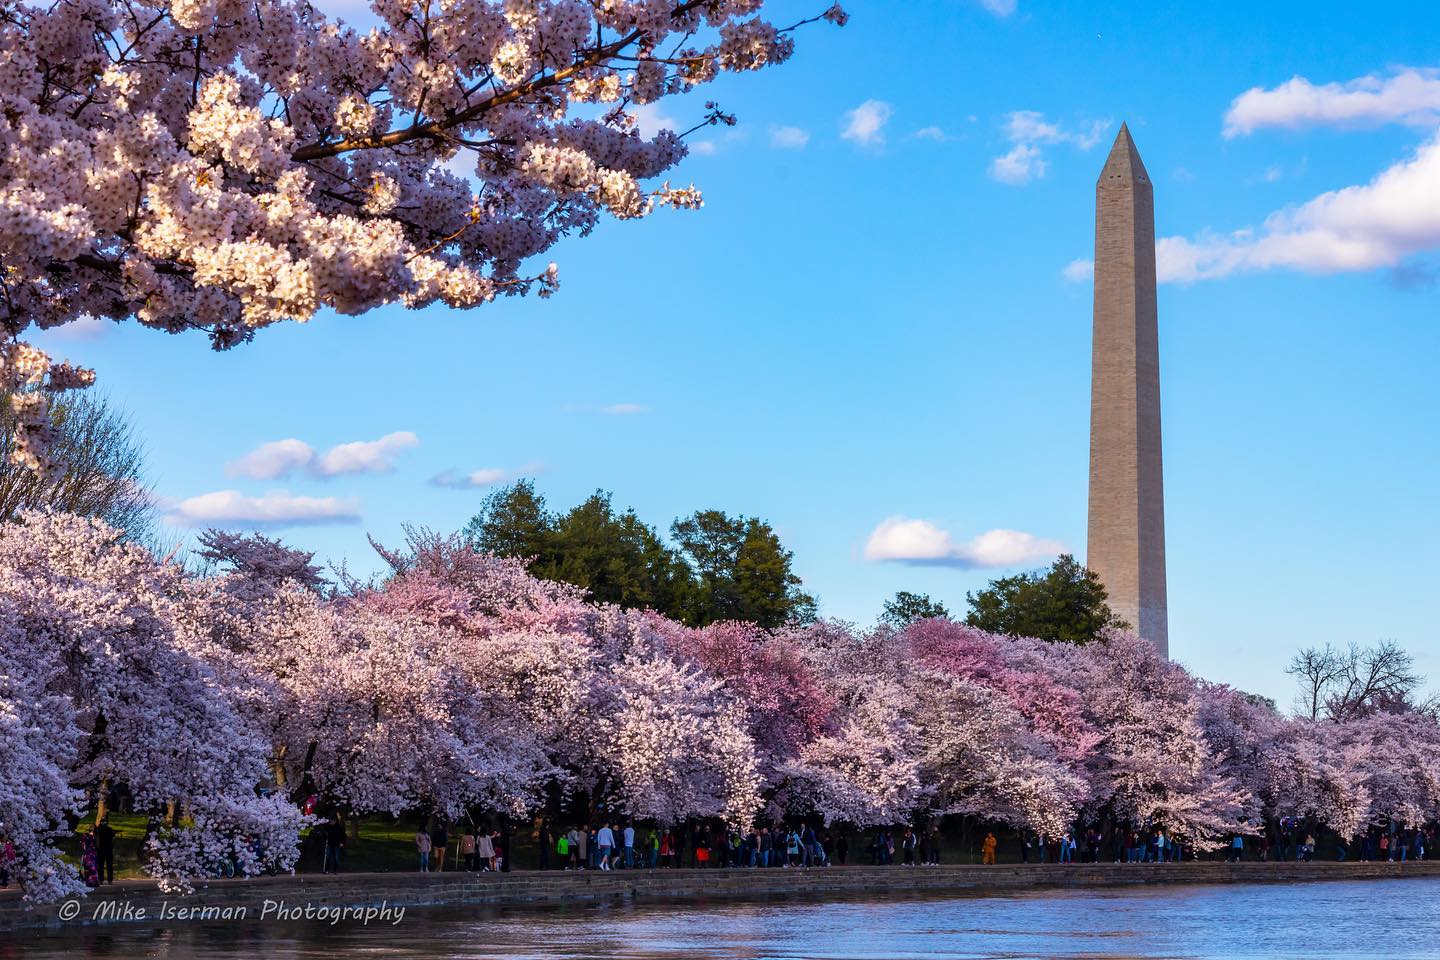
x,y
105,848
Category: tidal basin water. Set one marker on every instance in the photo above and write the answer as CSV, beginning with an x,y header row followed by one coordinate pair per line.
x,y
1394,919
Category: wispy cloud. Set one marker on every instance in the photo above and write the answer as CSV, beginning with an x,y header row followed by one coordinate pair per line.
x,y
651,118
278,458
484,477
1018,167
865,124
281,458
789,138
1030,126
922,543
930,133
1362,227
82,329
1001,8
275,509
1078,271
1409,96
365,456
624,409
1028,131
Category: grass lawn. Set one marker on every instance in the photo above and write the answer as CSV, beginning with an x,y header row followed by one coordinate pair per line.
x,y
385,844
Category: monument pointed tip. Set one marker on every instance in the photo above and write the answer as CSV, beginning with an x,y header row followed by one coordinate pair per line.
x,y
1124,159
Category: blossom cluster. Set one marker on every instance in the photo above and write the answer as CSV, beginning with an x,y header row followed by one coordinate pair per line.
x,y
222,165
458,683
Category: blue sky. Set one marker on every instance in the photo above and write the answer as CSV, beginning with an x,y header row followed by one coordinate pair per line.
x,y
893,324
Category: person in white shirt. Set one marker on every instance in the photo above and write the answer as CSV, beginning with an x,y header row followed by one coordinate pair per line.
x,y
629,837
485,851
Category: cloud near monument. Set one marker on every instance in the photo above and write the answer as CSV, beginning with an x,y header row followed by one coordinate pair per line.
x,y
921,543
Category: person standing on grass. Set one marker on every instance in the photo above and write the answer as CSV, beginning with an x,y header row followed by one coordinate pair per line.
x,y
439,840
422,846
334,840
628,834
605,842
105,849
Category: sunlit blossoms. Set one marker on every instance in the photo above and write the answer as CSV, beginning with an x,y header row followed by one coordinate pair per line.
x,y
459,685
220,166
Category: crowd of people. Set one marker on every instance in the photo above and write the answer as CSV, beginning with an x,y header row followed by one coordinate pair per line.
x,y
620,844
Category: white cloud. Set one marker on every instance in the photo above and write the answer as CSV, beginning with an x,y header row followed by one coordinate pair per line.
x,y
1078,271
866,123
1001,8
275,509
485,477
789,138
1021,165
1410,96
83,328
921,543
365,456
931,133
1030,126
280,458
1363,227
1027,130
624,409
650,119
271,460
702,148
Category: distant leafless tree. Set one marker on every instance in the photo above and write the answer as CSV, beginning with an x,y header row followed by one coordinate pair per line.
x,y
101,467
1343,684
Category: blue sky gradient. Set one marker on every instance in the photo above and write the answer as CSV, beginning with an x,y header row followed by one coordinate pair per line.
x,y
852,331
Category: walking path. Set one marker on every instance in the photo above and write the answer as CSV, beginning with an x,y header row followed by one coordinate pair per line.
x,y
218,900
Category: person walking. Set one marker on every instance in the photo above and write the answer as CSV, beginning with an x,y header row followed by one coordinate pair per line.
x,y
605,842
987,848
422,846
545,843
439,840
628,839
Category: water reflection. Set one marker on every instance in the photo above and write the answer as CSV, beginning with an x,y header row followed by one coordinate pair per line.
x,y
1391,918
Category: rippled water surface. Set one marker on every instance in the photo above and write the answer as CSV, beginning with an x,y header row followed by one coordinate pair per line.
x,y
1394,919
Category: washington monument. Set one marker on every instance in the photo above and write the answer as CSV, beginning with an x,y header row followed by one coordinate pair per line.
x,y
1127,490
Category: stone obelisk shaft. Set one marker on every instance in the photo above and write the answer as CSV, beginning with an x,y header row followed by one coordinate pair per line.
x,y
1127,497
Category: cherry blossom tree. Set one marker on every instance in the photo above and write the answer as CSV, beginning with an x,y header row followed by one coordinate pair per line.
x,y
1153,764
96,669
220,166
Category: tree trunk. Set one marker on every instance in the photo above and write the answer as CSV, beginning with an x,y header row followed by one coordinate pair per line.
x,y
102,801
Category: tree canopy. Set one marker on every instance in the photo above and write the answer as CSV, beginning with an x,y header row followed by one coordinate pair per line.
x,y
1063,604
905,608
718,568
97,466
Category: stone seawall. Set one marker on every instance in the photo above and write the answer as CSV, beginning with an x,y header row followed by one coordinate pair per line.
x,y
140,901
